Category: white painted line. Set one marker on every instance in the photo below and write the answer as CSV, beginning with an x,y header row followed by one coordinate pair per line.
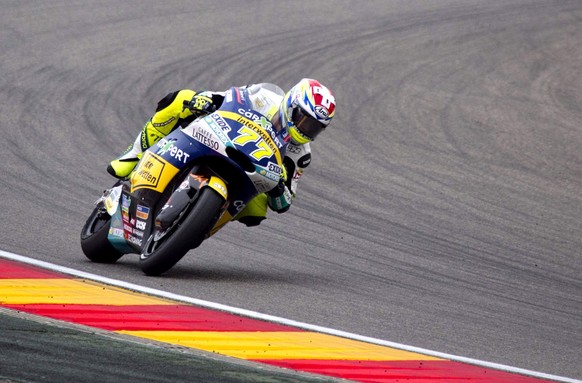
x,y
271,318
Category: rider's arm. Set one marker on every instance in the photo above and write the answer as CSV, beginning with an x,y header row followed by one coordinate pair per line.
x,y
297,158
170,111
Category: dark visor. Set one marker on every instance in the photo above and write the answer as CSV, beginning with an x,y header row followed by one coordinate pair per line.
x,y
306,124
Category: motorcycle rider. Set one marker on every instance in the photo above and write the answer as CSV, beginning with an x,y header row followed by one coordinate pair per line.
x,y
304,111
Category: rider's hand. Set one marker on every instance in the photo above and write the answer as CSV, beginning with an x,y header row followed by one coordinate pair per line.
x,y
280,198
200,105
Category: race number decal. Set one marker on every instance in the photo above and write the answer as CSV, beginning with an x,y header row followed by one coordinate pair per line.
x,y
246,135
251,131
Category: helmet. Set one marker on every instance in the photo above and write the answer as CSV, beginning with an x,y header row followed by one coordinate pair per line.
x,y
307,109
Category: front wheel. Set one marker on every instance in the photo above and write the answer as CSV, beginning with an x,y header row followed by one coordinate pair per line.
x,y
94,242
163,250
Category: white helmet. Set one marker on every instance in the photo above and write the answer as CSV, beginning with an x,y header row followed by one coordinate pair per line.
x,y
307,109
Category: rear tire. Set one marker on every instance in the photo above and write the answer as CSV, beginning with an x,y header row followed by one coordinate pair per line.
x,y
94,242
188,232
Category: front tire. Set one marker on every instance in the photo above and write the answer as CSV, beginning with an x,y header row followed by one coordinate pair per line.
x,y
161,254
94,242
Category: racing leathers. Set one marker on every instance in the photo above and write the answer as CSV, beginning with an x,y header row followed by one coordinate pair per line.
x,y
179,108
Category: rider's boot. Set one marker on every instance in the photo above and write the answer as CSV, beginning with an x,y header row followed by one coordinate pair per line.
x,y
122,166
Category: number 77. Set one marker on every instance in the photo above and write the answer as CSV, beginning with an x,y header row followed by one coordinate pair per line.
x,y
247,135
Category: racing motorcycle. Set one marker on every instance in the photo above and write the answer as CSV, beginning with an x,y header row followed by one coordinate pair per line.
x,y
186,187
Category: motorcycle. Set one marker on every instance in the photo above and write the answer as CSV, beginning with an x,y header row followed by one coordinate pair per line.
x,y
187,186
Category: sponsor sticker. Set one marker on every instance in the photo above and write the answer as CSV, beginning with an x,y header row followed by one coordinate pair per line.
x,y
270,175
167,147
116,232
149,171
134,240
142,212
153,172
125,203
220,187
217,125
206,138
321,111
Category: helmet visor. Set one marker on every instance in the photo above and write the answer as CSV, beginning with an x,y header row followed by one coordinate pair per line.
x,y
306,124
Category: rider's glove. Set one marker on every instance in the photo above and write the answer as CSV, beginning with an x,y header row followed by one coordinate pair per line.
x,y
200,105
280,198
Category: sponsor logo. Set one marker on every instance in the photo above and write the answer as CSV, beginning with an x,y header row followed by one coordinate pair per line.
x,y
270,175
167,147
239,205
266,137
116,232
265,124
273,144
148,172
274,168
134,240
163,145
321,111
262,121
140,225
153,172
142,212
304,161
293,149
160,124
221,122
206,138
250,114
218,128
111,198
228,96
241,96
273,172
220,187
125,202
260,102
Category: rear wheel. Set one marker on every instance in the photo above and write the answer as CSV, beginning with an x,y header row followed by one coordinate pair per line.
x,y
163,249
94,242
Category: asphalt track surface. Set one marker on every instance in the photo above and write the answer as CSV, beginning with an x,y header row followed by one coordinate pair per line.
x,y
442,209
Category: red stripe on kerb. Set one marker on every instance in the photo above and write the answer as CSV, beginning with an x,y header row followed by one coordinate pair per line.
x,y
150,318
441,371
14,270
